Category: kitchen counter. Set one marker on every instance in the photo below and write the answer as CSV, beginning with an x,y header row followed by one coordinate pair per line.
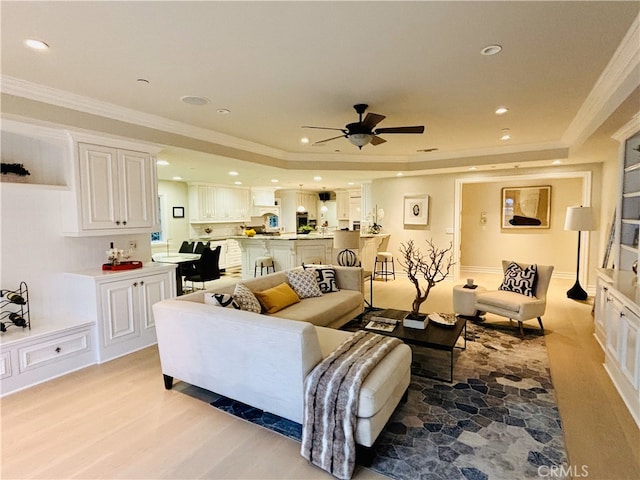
x,y
291,250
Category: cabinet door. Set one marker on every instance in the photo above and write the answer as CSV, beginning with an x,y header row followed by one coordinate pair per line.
x,y
342,205
135,188
120,310
99,187
630,346
613,314
153,289
601,299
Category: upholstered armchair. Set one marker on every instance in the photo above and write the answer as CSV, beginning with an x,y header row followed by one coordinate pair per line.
x,y
522,295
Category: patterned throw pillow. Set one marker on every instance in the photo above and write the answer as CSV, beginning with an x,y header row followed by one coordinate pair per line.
x,y
326,277
519,280
221,300
304,283
246,299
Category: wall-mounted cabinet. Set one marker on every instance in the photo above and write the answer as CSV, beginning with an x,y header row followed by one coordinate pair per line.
x,y
342,205
629,224
113,188
216,204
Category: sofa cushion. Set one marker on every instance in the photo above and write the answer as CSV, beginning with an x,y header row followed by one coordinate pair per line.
x,y
323,310
304,283
519,280
221,300
325,276
276,298
246,299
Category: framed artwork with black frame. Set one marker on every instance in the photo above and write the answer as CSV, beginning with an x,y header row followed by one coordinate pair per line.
x,y
178,212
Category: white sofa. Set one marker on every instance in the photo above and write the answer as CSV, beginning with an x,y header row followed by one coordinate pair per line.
x,y
263,360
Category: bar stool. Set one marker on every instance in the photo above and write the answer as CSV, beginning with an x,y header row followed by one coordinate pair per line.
x,y
263,262
384,258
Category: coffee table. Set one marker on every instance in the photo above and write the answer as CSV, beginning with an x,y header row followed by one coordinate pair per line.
x,y
437,337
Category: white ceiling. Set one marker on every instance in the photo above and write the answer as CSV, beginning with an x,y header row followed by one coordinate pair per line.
x,y
280,65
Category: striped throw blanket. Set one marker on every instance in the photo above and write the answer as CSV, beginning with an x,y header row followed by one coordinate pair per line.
x,y
331,401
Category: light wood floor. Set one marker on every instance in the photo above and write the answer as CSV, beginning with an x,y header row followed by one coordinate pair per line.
x,y
116,420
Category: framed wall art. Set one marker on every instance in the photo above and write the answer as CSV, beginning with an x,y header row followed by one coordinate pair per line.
x,y
178,212
416,209
526,207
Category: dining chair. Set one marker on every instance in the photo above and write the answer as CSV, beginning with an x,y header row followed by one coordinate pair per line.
x,y
207,268
186,247
201,247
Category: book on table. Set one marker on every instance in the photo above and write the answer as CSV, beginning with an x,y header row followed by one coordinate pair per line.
x,y
381,324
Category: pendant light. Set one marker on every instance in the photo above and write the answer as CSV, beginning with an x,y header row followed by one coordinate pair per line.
x,y
301,208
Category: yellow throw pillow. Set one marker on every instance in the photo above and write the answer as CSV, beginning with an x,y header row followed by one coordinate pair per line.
x,y
277,298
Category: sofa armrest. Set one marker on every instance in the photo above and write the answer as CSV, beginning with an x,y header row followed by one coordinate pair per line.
x,y
350,278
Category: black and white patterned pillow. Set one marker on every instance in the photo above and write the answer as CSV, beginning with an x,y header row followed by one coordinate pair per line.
x,y
304,283
519,280
221,300
246,299
325,276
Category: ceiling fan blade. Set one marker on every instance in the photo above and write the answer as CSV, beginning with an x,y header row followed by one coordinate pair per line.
x,y
328,139
377,140
416,129
326,128
372,119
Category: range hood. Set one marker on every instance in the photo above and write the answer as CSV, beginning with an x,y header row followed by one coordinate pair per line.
x,y
259,211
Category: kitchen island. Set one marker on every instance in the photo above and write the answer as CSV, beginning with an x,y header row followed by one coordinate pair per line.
x,y
291,250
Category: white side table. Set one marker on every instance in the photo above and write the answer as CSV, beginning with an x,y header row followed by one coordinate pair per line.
x,y
464,300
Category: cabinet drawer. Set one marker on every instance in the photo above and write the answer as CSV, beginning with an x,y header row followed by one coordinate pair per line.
x,y
5,365
53,350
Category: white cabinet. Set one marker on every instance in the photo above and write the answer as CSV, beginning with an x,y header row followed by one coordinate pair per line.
x,y
234,254
342,204
617,310
29,357
211,204
600,304
120,302
114,189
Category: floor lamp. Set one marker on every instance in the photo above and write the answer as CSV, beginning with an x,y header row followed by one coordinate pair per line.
x,y
578,219
346,241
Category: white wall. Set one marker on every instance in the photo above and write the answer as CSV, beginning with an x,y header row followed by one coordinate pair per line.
x,y
33,248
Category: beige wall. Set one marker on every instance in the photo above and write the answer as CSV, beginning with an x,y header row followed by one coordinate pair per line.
x,y
485,245
492,244
174,194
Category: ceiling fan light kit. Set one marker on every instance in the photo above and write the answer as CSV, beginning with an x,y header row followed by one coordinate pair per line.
x,y
362,132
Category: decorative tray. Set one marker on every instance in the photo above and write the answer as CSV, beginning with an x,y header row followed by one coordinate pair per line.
x,y
128,265
443,319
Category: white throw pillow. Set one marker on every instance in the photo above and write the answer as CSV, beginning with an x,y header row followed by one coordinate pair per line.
x,y
246,299
221,300
304,283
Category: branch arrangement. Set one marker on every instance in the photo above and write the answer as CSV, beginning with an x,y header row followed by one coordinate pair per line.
x,y
433,266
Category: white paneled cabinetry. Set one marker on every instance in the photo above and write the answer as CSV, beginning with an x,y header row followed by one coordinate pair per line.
x,y
212,203
120,304
342,204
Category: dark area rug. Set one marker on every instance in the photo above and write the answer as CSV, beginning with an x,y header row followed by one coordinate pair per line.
x,y
497,420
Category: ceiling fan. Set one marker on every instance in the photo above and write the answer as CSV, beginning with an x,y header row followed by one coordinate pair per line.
x,y
362,132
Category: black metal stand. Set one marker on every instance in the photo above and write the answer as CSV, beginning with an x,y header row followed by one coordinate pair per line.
x,y
14,308
577,292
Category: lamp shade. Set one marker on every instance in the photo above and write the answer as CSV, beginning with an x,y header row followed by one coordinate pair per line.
x,y
579,219
345,239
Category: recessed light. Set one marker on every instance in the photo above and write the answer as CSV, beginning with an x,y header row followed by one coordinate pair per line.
x,y
177,178
491,50
399,174
304,140
473,168
274,180
233,173
223,111
501,110
36,44
556,162
194,100
162,162
317,178
237,182
350,183
506,135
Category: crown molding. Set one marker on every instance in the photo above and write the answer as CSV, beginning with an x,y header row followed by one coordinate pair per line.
x,y
41,93
620,77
